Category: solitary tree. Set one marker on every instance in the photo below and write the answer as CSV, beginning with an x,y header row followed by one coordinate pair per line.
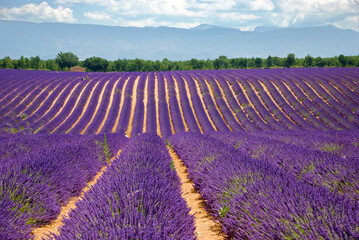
x,y
290,60
67,60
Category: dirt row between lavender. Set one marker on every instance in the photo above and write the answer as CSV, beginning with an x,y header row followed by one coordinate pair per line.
x,y
206,227
54,226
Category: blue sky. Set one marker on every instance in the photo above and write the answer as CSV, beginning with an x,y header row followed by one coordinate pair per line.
x,y
242,14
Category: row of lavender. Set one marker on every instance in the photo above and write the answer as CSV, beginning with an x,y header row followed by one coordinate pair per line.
x,y
330,161
342,143
195,101
138,197
284,99
40,173
260,188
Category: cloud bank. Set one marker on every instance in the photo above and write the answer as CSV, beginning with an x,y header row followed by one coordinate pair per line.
x,y
242,14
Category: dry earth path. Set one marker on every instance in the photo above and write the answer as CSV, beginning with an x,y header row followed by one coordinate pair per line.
x,y
54,227
133,106
206,227
114,128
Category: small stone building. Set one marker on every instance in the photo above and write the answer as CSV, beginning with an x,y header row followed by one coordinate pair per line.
x,y
77,69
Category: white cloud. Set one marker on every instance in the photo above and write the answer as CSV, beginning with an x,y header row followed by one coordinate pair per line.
x,y
350,22
257,5
247,28
318,6
97,15
294,12
38,13
89,2
298,18
213,5
152,22
237,16
138,7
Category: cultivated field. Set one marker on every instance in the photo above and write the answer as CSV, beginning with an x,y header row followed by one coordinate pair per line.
x,y
273,154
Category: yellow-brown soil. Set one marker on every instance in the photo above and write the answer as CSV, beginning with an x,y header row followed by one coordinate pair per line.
x,y
206,227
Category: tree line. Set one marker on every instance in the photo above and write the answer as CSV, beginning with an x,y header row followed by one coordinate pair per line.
x,y
64,61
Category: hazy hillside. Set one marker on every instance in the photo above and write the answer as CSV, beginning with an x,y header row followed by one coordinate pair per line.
x,y
202,42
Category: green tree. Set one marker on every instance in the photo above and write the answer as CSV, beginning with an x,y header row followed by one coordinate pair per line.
x,y
51,65
96,64
234,62
7,63
35,62
67,60
277,62
319,62
351,61
258,62
22,63
269,62
290,60
243,63
119,65
221,62
308,61
342,60
195,64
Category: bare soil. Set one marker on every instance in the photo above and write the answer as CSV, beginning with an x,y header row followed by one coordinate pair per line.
x,y
73,109
97,107
19,104
260,99
168,105
133,106
235,97
229,107
28,105
157,108
8,94
179,103
145,102
273,100
53,103
204,105
54,226
62,107
42,103
191,104
285,99
211,93
121,104
85,107
206,226
108,106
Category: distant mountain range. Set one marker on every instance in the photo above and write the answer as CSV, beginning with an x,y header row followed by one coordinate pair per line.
x,y
201,42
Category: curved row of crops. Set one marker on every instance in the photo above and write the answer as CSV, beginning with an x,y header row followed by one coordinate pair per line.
x,y
262,148
301,185
170,102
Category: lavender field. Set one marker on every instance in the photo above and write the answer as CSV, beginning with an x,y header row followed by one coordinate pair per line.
x,y
274,153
